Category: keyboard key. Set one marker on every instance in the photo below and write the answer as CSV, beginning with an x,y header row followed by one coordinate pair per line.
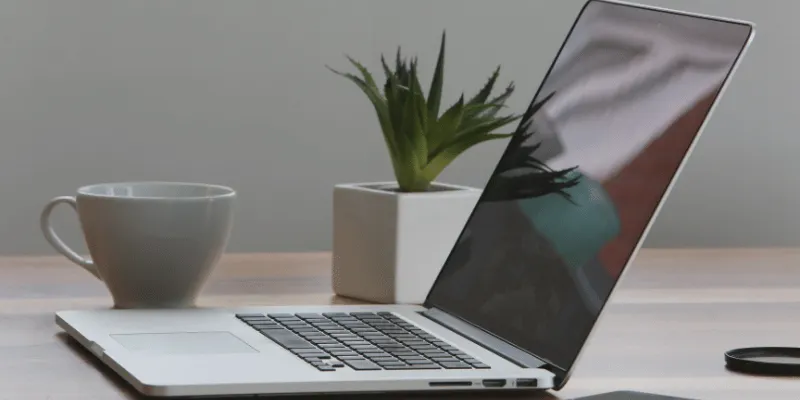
x,y
363,314
480,365
312,358
417,362
336,365
383,359
249,315
432,352
326,327
356,343
265,325
323,341
280,315
287,339
345,336
307,330
455,365
253,320
335,314
353,357
385,313
326,368
411,358
343,353
362,365
310,354
375,354
314,337
308,316
390,363
399,367
333,346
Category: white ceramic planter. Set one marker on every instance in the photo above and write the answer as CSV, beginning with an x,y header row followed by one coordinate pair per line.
x,y
388,247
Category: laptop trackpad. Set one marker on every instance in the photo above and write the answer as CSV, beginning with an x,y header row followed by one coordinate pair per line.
x,y
183,343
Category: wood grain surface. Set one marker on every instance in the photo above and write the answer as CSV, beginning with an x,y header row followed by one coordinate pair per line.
x,y
672,318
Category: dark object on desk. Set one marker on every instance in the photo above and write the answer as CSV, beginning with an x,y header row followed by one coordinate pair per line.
x,y
630,395
774,361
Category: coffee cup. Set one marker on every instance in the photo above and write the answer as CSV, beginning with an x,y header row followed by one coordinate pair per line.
x,y
153,244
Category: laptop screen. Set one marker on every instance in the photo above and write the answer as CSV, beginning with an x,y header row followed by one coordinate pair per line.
x,y
579,183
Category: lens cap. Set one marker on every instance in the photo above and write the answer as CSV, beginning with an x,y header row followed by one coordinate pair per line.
x,y
773,361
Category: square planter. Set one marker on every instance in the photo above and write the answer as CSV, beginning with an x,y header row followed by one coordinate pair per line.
x,y
388,247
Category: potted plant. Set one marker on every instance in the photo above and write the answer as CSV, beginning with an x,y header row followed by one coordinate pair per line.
x,y
390,239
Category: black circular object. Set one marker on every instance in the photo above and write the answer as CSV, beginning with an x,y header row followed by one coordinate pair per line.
x,y
774,361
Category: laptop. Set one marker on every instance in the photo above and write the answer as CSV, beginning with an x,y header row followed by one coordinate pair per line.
x,y
559,220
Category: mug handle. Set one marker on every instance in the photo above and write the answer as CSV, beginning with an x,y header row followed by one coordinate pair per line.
x,y
56,241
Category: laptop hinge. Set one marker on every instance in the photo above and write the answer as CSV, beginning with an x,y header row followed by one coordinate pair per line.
x,y
485,339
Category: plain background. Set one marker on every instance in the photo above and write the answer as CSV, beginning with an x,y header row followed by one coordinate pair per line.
x,y
236,93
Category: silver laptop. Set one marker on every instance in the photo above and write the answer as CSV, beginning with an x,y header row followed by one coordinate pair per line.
x,y
562,215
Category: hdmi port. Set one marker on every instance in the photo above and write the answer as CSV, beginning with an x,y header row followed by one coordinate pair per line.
x,y
494,383
453,383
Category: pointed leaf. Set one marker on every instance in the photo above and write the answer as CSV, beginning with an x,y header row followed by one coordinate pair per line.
x,y
499,101
364,72
394,100
411,123
484,93
419,100
487,125
443,130
435,91
450,153
381,110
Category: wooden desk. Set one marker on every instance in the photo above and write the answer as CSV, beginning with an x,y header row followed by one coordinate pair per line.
x,y
666,330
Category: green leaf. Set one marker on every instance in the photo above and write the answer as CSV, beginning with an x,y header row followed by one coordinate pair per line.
x,y
435,92
367,76
411,123
484,93
381,109
486,126
419,99
499,101
445,128
451,152
394,99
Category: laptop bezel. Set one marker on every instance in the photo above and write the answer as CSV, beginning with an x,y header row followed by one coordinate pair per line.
x,y
562,376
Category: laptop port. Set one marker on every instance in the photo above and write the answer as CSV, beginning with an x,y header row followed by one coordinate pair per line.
x,y
527,382
450,383
494,383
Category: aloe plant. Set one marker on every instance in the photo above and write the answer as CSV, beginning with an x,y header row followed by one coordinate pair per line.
x,y
421,141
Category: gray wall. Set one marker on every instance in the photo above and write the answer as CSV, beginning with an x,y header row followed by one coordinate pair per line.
x,y
235,92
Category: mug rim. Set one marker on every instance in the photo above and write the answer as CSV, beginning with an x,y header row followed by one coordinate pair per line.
x,y
225,191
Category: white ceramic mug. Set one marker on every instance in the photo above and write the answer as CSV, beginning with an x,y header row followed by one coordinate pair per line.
x,y
153,244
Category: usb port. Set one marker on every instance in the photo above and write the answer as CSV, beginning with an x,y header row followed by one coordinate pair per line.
x,y
527,382
494,383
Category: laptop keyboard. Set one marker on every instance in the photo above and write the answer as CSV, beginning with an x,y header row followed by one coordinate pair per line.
x,y
363,341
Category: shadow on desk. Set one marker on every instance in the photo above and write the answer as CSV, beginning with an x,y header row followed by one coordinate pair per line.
x,y
128,392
